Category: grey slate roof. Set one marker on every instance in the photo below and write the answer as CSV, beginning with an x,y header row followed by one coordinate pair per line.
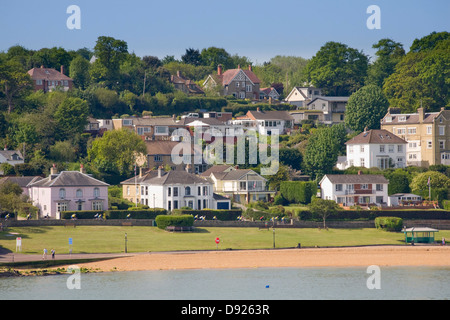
x,y
21,181
356,178
69,179
376,137
177,177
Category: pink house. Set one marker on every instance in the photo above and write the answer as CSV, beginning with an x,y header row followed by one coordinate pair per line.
x,y
68,191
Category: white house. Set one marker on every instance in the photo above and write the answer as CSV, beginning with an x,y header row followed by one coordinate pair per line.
x,y
301,96
179,188
376,148
266,122
243,185
398,199
355,189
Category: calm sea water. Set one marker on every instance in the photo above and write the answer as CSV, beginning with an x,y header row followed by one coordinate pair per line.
x,y
237,284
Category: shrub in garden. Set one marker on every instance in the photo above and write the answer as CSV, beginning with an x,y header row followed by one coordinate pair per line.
x,y
163,221
389,223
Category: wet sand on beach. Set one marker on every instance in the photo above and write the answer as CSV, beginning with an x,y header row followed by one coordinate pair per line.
x,y
305,257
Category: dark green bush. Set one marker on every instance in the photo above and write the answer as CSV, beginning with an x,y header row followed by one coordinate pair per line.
x,y
298,191
163,221
389,223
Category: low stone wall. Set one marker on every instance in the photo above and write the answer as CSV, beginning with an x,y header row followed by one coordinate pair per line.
x,y
437,224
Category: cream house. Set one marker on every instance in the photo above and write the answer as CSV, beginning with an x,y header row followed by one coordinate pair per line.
x,y
427,135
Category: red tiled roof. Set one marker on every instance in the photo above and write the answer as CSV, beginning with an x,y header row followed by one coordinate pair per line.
x,y
229,75
47,74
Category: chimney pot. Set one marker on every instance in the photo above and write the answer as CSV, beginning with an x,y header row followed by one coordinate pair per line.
x,y
62,69
250,67
219,70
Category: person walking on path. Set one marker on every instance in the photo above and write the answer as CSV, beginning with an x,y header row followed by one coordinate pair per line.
x,y
44,256
53,253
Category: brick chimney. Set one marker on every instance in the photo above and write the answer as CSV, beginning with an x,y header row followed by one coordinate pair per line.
x,y
82,169
62,69
250,67
219,70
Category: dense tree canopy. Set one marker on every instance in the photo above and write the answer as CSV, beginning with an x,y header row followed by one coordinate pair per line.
x,y
365,108
338,69
422,77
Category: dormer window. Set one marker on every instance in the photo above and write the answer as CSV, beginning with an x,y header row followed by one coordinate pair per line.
x,y
388,119
402,118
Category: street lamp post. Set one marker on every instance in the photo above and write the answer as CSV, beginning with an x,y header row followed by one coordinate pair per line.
x,y
126,243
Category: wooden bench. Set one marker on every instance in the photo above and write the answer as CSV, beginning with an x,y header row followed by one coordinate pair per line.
x,y
178,229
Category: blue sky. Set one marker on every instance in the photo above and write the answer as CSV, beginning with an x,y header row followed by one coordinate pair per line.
x,y
258,29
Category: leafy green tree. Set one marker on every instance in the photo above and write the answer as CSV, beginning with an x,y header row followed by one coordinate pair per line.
x,y
439,183
323,208
192,56
389,53
321,152
110,53
338,69
63,151
214,56
71,117
365,108
421,78
290,157
116,152
429,42
79,72
399,180
14,81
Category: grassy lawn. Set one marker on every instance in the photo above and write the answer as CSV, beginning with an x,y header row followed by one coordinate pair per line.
x,y
107,239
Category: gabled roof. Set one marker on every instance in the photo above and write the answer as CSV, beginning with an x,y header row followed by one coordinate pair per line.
x,y
228,76
177,177
355,178
47,74
21,181
227,172
206,121
270,115
141,179
69,179
376,137
330,99
7,154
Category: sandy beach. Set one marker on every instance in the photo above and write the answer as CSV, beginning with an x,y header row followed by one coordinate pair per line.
x,y
305,257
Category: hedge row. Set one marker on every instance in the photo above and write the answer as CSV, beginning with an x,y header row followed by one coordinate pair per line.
x,y
389,223
116,214
372,215
209,214
298,191
163,221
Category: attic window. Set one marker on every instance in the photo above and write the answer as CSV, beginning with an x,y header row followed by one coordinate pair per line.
x,y
402,118
388,119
